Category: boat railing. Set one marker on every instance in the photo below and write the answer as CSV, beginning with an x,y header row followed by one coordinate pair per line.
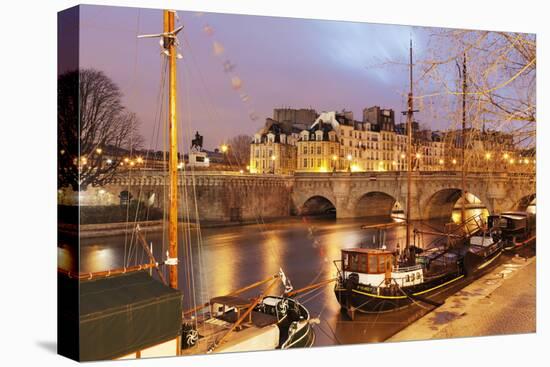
x,y
401,269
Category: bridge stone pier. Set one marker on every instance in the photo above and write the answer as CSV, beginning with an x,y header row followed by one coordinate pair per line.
x,y
230,196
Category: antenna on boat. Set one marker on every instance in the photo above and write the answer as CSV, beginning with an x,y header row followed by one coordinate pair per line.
x,y
169,44
410,115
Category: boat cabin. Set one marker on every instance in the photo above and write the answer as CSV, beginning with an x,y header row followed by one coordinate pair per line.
x,y
367,261
512,221
513,226
376,268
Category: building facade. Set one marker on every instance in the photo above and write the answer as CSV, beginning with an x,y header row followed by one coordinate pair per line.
x,y
273,149
335,141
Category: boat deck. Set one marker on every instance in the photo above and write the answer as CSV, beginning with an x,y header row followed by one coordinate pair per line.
x,y
212,329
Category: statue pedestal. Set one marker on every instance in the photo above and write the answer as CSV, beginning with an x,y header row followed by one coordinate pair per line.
x,y
198,159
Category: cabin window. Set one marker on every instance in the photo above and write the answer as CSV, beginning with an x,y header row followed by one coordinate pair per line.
x,y
381,263
373,264
363,265
354,262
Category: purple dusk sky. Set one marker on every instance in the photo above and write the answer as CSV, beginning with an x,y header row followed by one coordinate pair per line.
x,y
326,65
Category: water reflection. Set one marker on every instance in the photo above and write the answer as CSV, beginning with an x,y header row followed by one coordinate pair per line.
x,y
232,257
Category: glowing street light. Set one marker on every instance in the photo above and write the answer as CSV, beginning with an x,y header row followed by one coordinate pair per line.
x,y
487,156
349,157
418,155
402,156
454,161
99,150
506,156
241,171
139,160
109,161
224,148
273,157
334,157
126,160
441,161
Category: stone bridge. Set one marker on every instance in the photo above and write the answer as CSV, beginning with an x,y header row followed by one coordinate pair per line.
x,y
433,194
229,196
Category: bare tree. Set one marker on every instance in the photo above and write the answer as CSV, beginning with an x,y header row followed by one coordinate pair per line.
x,y
94,130
501,77
239,150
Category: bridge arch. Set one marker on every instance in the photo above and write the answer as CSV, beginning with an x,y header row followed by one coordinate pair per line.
x,y
446,203
375,204
317,205
527,203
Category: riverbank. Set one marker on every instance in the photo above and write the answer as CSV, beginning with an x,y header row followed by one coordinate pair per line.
x,y
501,302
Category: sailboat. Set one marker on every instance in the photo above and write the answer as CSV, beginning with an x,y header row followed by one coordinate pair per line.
x,y
380,280
233,323
129,313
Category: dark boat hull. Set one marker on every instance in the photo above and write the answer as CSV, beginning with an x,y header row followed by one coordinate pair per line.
x,y
295,328
366,299
474,263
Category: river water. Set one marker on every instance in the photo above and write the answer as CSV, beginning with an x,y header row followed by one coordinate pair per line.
x,y
228,258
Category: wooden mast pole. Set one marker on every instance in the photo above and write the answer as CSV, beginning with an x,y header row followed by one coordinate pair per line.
x,y
409,146
170,46
463,174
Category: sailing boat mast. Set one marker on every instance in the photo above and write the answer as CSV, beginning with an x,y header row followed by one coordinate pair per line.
x,y
410,115
169,44
463,174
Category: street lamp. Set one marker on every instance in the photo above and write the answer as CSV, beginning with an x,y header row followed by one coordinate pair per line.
x,y
224,148
487,156
99,150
